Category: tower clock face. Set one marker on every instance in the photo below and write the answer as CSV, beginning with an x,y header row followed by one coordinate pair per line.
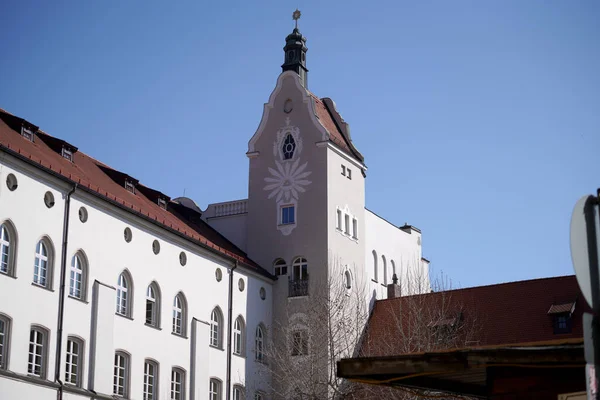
x,y
290,55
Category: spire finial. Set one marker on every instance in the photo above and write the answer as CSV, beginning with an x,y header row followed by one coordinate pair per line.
x,y
296,16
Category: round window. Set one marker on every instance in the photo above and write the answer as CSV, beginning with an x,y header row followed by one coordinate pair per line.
x,y
218,274
83,214
156,247
263,293
127,235
11,182
182,259
49,199
241,284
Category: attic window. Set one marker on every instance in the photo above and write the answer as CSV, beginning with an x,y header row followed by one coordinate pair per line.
x,y
129,186
27,133
162,203
68,154
561,316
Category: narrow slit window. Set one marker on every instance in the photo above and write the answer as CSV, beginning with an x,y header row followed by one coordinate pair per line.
x,y
354,228
339,220
347,224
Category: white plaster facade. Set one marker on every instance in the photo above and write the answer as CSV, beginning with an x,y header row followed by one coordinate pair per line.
x,y
323,181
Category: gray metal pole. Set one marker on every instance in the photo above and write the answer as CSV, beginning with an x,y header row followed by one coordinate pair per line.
x,y
591,222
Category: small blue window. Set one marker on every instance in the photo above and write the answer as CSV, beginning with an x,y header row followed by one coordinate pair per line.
x,y
288,215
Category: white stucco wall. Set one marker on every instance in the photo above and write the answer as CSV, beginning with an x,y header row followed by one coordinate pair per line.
x,y
101,239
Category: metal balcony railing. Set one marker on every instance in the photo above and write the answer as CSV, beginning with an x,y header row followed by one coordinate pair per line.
x,y
298,288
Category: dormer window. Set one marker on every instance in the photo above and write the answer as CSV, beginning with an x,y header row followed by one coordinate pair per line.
x,y
68,154
27,133
561,317
130,186
162,203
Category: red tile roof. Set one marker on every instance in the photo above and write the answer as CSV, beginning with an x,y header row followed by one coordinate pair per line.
x,y
90,175
503,314
327,116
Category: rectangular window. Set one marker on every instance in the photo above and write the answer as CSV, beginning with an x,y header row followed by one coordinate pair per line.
x,y
27,133
4,336
73,362
287,215
162,203
347,224
129,186
238,393
177,382
121,372
150,378
67,154
37,353
349,175
343,170
300,342
339,220
354,228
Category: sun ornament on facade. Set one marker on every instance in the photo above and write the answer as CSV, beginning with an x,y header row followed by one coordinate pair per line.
x,y
289,177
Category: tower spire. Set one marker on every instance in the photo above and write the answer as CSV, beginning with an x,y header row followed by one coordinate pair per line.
x,y
295,52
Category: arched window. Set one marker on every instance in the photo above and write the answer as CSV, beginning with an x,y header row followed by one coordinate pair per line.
x,y
375,274
153,305
384,265
216,323
38,351
239,393
348,280
43,264
179,315
393,267
5,323
239,336
280,267
259,344
74,361
300,269
289,145
177,383
7,249
214,389
124,295
150,391
121,374
78,277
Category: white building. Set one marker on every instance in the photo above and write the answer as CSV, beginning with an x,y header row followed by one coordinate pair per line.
x,y
110,288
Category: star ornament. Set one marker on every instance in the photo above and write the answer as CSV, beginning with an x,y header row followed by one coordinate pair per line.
x,y
296,15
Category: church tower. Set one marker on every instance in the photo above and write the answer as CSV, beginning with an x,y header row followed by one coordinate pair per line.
x,y
305,218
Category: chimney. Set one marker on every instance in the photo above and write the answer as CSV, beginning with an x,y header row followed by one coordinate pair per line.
x,y
393,289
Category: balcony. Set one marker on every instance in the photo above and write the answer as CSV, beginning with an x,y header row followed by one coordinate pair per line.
x,y
298,288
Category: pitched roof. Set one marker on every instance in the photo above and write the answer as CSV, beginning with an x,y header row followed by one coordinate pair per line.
x,y
334,124
502,314
99,179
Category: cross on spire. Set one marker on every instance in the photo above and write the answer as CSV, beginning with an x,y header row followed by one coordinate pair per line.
x,y
296,16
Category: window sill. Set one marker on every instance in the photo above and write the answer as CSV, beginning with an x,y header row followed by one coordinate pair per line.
x,y
42,287
374,280
384,285
8,275
158,328
78,299
216,347
242,356
179,335
297,297
124,316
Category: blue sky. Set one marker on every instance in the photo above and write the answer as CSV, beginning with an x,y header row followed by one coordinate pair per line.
x,y
479,121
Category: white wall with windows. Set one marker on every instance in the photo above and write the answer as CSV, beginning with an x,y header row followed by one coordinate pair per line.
x,y
125,302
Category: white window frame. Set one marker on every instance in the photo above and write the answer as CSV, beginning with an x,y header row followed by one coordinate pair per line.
x,y
179,315
347,224
121,371
239,328
286,207
151,379
42,266
177,383
74,361
215,389
124,295
38,352
78,275
279,266
216,324
298,272
354,228
153,305
5,326
259,344
7,249
239,392
338,223
67,154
